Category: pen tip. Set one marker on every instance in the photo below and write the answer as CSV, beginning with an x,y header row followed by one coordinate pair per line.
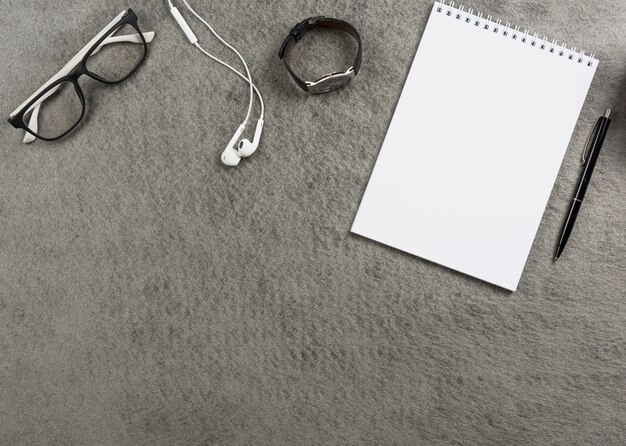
x,y
556,258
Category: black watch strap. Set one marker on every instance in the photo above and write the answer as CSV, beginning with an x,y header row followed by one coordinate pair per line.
x,y
307,25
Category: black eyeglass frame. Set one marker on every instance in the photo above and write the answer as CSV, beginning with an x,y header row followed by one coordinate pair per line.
x,y
130,18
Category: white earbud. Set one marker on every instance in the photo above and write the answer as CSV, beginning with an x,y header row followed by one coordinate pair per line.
x,y
246,147
231,156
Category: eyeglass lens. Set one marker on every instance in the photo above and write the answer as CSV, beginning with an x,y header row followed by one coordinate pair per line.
x,y
118,59
59,112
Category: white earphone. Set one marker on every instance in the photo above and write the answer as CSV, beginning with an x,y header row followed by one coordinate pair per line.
x,y
233,153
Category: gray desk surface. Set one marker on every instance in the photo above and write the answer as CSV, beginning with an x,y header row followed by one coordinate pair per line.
x,y
150,296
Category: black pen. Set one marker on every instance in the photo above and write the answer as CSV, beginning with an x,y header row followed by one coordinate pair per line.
x,y
590,156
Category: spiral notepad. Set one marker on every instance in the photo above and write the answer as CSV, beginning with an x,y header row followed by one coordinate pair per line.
x,y
475,145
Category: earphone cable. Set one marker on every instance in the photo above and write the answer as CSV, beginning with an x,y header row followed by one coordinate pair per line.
x,y
229,46
238,73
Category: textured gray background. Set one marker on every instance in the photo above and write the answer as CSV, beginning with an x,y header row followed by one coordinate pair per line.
x,y
150,296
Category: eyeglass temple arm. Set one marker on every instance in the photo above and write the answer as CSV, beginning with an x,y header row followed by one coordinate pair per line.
x,y
33,122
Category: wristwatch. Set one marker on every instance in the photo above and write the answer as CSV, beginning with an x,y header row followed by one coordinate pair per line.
x,y
330,81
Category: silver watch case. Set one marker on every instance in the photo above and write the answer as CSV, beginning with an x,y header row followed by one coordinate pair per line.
x,y
330,82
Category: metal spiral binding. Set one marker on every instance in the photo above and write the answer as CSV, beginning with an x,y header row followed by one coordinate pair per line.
x,y
488,24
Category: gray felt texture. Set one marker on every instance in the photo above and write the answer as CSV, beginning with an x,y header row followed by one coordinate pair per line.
x,y
150,296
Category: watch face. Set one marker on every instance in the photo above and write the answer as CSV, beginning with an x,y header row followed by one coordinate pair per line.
x,y
330,82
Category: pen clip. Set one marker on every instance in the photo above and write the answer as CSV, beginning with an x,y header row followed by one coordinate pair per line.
x,y
583,160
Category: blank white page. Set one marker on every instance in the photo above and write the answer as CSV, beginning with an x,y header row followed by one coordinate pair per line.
x,y
475,145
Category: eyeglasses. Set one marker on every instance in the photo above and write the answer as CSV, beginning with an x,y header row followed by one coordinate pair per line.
x,y
111,57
